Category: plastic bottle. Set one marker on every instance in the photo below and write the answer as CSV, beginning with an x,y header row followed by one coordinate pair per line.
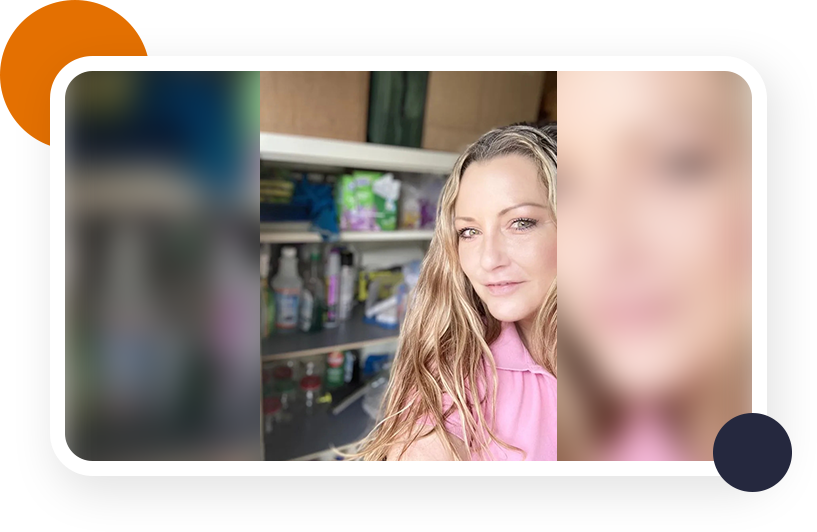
x,y
334,369
283,387
311,384
351,368
287,286
267,298
312,297
347,285
332,289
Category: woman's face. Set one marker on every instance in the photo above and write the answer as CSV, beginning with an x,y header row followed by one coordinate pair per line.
x,y
655,220
507,239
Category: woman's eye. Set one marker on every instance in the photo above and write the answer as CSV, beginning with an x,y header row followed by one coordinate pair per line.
x,y
523,224
467,233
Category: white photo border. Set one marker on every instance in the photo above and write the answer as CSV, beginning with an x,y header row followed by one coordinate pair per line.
x,y
333,468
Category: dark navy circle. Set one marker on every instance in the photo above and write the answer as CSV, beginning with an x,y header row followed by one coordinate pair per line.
x,y
752,452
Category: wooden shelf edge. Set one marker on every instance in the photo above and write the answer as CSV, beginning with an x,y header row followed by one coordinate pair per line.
x,y
321,350
271,236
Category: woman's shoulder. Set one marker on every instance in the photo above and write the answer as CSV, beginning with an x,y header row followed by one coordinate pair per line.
x,y
429,448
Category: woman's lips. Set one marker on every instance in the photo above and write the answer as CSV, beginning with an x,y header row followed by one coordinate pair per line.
x,y
503,288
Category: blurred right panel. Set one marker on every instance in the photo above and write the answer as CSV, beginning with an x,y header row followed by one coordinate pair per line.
x,y
655,266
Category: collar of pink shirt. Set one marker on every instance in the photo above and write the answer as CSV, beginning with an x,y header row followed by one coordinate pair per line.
x,y
511,354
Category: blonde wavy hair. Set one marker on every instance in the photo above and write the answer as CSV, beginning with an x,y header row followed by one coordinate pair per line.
x,y
445,338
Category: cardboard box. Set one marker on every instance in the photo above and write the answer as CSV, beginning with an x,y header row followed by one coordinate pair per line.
x,y
332,105
462,106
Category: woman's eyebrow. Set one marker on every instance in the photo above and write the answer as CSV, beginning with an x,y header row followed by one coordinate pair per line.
x,y
503,211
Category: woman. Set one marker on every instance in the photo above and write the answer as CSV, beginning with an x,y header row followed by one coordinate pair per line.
x,y
475,373
655,263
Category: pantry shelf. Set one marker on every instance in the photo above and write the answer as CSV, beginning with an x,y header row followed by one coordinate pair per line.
x,y
357,155
270,234
306,437
351,334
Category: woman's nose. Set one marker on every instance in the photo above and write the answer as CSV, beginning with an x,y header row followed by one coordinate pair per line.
x,y
494,253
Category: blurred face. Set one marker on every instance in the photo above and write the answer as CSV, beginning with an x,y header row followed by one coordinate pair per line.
x,y
655,211
507,240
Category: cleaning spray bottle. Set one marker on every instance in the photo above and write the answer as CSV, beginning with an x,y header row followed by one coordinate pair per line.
x,y
267,297
287,285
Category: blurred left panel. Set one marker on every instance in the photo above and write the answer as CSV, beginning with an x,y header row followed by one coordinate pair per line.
x,y
162,314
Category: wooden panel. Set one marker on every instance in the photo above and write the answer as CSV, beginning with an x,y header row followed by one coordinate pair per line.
x,y
317,104
461,106
509,97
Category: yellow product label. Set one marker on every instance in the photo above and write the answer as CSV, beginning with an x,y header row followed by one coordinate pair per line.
x,y
388,280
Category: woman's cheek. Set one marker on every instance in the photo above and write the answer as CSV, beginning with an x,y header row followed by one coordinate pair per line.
x,y
537,256
469,261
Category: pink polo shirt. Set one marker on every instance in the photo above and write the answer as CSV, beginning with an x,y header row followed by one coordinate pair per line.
x,y
525,402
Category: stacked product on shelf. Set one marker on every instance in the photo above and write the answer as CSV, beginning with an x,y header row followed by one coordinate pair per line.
x,y
386,293
311,302
367,201
418,201
308,386
357,201
323,300
300,197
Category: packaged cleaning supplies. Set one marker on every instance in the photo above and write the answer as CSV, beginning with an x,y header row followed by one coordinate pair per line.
x,y
386,191
411,274
410,213
419,196
388,279
355,202
367,201
381,299
276,190
430,192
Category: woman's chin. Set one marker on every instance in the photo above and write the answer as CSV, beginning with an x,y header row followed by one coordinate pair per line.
x,y
507,311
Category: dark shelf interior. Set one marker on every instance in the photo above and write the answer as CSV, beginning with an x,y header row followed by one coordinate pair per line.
x,y
304,435
351,331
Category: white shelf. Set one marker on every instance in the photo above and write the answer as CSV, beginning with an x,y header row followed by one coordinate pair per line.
x,y
354,155
270,234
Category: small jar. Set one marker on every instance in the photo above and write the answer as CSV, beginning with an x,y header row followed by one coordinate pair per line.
x,y
272,410
267,383
280,373
311,389
285,391
310,368
283,387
